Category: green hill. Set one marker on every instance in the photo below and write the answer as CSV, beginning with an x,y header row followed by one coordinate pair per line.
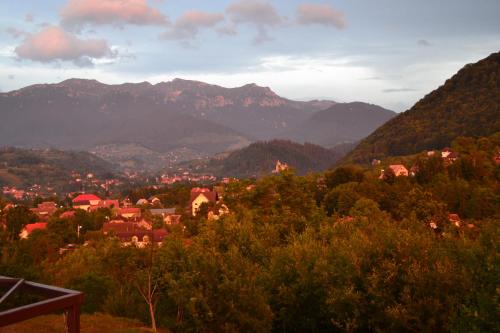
x,y
260,159
25,167
468,104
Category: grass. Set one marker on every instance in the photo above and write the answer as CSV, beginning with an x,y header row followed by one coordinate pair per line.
x,y
95,323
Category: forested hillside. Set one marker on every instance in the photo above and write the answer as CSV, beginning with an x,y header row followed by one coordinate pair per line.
x,y
468,104
260,159
24,167
342,251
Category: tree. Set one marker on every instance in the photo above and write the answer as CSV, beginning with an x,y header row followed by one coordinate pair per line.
x,y
17,218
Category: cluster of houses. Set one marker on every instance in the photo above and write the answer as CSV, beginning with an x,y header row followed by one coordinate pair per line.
x,y
186,177
399,170
132,224
27,193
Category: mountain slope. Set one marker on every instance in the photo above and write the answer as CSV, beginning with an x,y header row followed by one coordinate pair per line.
x,y
260,158
25,167
340,123
168,122
468,104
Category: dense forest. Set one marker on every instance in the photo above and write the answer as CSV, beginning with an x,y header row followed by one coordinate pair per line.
x,y
25,167
259,159
468,104
340,251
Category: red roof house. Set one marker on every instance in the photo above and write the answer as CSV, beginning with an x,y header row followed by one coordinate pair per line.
x,y
29,228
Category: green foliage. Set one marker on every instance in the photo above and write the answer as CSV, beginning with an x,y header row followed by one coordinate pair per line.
x,y
341,252
16,218
466,105
23,167
260,158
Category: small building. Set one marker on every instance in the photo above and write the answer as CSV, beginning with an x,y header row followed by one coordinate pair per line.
x,y
279,167
142,238
133,233
200,196
29,228
45,209
455,220
142,202
399,170
448,155
85,201
67,214
172,219
130,212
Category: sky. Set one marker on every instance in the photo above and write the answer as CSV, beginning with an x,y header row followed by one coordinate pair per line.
x,y
386,52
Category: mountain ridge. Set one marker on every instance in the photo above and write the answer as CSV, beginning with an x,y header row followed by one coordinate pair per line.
x,y
467,104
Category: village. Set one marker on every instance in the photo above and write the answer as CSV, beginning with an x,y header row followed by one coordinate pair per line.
x,y
148,220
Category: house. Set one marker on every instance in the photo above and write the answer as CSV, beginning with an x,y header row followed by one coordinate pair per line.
x,y
455,220
45,209
29,228
130,212
280,167
142,202
85,201
496,159
172,219
162,211
222,210
126,202
398,170
132,233
67,214
448,156
111,204
165,213
200,196
154,200
142,238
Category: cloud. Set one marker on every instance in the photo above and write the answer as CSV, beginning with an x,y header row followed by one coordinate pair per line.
x,y
189,24
29,17
80,12
398,90
308,14
259,13
15,33
229,30
53,43
423,42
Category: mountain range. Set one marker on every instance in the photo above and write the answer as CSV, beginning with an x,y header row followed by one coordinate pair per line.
x,y
146,126
468,104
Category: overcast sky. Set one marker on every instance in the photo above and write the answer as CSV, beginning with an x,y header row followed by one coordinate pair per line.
x,y
386,52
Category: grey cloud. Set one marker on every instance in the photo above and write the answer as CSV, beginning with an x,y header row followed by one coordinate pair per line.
x,y
15,33
321,14
189,24
29,17
397,90
259,13
423,42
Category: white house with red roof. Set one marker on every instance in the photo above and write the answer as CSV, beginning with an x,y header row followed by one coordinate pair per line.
x,y
399,170
85,201
200,196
